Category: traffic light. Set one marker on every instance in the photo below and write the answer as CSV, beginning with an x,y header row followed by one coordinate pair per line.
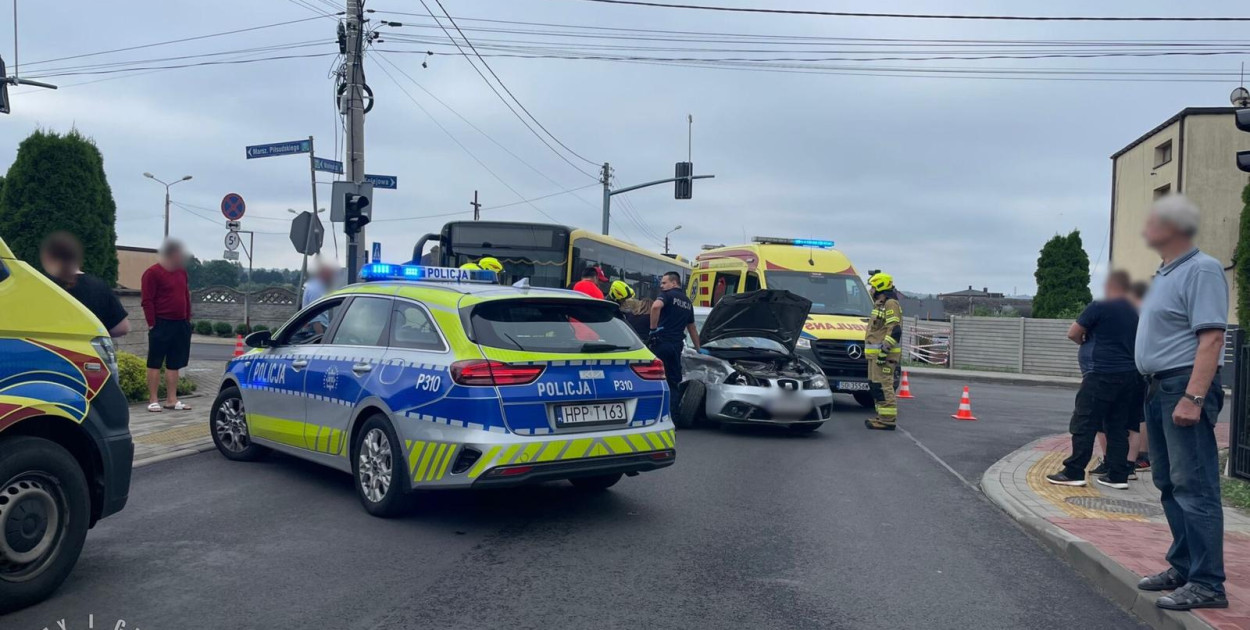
x,y
1243,123
358,212
684,186
4,89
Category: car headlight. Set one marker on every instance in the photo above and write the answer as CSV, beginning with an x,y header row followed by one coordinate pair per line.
x,y
805,344
108,354
742,378
818,382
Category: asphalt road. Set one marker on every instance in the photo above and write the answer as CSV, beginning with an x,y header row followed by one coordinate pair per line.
x,y
845,528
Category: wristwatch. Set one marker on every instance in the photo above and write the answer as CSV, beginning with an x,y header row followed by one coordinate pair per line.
x,y
1197,400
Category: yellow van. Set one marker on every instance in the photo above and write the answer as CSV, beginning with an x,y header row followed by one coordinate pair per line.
x,y
833,335
65,446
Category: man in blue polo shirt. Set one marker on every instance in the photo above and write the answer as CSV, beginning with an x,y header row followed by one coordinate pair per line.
x,y
1180,348
1110,398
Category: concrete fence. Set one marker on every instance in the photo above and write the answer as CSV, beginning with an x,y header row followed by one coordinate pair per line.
x,y
1013,344
271,307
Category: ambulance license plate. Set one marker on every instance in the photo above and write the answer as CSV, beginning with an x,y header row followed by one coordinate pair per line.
x,y
590,413
851,386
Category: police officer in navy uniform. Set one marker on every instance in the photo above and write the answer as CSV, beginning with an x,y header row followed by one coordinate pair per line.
x,y
672,315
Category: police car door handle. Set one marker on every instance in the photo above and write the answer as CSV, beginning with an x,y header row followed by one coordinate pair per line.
x,y
361,368
299,364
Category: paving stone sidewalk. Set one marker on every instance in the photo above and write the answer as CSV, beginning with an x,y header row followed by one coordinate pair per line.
x,y
170,434
1115,536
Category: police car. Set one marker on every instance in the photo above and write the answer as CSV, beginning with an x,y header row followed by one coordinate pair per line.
x,y
434,378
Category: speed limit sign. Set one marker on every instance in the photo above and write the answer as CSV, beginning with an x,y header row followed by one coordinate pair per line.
x,y
232,240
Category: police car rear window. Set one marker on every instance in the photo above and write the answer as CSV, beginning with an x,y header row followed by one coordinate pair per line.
x,y
569,326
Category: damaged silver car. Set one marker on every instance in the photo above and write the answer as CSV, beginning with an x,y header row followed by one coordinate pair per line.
x,y
750,373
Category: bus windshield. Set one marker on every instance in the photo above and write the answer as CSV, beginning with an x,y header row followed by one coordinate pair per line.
x,y
527,250
830,293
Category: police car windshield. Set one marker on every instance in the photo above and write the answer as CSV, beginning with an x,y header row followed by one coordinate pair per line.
x,y
569,326
830,293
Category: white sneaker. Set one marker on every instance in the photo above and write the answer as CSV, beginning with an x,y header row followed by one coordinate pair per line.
x,y
1112,484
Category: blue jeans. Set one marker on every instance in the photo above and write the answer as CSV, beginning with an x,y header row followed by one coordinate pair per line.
x,y
1186,470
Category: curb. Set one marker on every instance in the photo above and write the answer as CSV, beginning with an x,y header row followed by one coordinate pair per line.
x,y
1116,582
183,452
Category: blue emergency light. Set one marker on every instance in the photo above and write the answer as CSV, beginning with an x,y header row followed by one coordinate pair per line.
x,y
797,242
421,273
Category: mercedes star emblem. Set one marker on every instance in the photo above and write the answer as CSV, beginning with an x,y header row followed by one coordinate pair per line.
x,y
855,351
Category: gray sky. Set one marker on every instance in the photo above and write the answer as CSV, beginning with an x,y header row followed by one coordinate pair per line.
x,y
945,182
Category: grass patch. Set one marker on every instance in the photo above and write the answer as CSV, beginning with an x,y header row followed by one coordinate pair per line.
x,y
1236,491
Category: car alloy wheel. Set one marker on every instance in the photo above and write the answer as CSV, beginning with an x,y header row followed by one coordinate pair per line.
x,y
375,465
32,522
231,425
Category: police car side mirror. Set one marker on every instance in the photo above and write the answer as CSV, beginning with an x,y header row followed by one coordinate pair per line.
x,y
259,339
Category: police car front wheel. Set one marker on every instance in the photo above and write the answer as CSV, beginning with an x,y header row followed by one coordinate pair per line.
x,y
229,427
377,465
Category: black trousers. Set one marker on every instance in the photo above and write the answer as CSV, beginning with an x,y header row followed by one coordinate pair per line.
x,y
668,351
1110,403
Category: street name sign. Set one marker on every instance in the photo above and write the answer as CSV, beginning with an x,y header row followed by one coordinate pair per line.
x,y
327,166
383,181
278,148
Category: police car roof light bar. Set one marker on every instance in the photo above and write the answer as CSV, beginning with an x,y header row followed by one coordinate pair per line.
x,y
420,273
797,242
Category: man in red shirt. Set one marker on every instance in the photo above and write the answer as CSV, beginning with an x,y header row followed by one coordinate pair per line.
x,y
166,299
589,284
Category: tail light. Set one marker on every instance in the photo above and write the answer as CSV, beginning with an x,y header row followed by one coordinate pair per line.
x,y
653,371
481,372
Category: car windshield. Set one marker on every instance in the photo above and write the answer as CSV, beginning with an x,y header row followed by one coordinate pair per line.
x,y
572,326
830,293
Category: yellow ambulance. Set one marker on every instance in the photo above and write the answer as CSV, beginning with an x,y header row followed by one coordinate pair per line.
x,y
833,335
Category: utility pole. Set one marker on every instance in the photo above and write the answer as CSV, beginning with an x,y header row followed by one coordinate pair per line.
x,y
605,178
477,207
355,123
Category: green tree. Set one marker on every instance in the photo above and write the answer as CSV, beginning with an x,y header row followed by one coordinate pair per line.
x,y
219,273
57,182
1241,260
1062,277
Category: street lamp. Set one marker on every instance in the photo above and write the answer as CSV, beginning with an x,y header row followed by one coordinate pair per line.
x,y
666,238
166,185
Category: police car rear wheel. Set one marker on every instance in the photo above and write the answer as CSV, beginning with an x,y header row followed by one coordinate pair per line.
x,y
44,510
374,464
595,483
229,427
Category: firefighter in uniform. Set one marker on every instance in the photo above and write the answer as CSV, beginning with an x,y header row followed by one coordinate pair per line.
x,y
883,350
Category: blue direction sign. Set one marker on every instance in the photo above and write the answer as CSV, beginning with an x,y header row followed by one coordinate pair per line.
x,y
232,206
383,181
278,148
327,166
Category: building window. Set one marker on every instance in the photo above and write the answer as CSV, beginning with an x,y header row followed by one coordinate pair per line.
x,y
1163,154
1163,190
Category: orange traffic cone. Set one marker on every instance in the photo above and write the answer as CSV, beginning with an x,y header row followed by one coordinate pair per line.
x,y
238,346
965,407
904,388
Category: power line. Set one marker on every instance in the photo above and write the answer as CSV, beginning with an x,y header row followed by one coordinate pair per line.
x,y
115,64
923,16
172,41
458,143
500,96
189,65
505,87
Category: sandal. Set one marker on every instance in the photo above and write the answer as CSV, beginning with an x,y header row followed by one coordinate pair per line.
x,y
154,407
178,406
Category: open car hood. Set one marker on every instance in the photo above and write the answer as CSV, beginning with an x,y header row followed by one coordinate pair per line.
x,y
772,314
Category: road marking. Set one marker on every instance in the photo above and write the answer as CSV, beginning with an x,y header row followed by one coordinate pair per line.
x,y
939,460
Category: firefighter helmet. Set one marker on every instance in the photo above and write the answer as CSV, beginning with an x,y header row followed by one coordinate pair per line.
x,y
881,281
620,291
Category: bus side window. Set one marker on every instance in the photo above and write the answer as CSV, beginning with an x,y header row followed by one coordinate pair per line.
x,y
753,282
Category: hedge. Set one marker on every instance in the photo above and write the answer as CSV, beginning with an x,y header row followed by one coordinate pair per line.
x,y
132,375
203,327
223,329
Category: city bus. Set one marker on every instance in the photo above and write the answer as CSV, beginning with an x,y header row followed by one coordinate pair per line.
x,y
549,255
833,335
